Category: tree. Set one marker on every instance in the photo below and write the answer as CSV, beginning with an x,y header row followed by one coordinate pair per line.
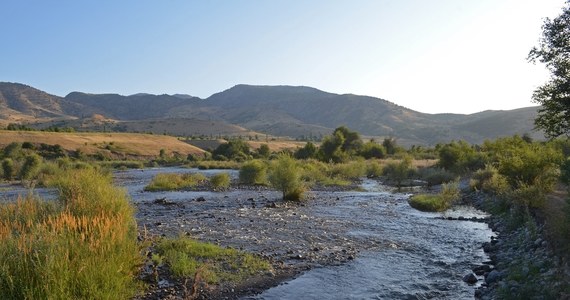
x,y
308,151
554,96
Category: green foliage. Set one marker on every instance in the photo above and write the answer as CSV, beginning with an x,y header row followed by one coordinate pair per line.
x,y
186,257
554,112
8,169
253,172
427,202
352,170
525,163
330,149
82,247
460,157
390,145
373,169
263,151
31,166
237,150
340,146
285,176
220,181
398,171
372,150
307,152
174,181
435,176
13,151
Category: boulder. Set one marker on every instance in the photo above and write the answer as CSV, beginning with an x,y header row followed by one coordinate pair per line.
x,y
470,278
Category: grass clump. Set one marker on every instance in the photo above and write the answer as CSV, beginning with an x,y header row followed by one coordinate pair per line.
x,y
174,181
220,181
82,247
440,202
186,257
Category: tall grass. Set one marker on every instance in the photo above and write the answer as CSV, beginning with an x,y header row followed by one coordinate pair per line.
x,y
82,247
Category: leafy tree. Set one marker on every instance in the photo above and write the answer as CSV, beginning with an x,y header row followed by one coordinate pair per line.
x,y
331,148
553,50
352,141
390,145
372,150
235,149
264,151
308,151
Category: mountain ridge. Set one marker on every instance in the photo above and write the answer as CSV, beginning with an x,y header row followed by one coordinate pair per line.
x,y
295,111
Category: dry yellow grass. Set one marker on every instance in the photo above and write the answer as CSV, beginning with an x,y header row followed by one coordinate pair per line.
x,y
132,144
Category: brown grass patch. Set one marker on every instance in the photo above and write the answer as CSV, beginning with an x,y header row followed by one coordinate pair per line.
x,y
132,144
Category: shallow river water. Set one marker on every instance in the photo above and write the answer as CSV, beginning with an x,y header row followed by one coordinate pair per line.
x,y
401,253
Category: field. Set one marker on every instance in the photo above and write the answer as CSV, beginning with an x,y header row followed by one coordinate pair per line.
x,y
127,144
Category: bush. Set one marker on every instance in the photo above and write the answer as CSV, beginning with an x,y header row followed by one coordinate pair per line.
x,y
285,176
399,171
31,166
372,150
435,176
352,170
82,247
8,169
253,172
374,169
220,181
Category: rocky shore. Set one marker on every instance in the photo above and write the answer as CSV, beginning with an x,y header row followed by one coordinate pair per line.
x,y
522,263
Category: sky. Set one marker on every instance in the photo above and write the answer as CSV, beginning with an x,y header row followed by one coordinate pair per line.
x,y
433,56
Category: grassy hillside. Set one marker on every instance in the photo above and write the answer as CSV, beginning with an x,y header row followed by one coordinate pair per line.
x,y
119,144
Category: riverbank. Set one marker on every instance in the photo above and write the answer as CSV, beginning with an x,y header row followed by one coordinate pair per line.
x,y
523,263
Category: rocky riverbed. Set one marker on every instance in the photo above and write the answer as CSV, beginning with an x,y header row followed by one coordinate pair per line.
x,y
359,244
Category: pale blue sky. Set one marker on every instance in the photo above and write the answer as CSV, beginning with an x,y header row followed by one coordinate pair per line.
x,y
433,56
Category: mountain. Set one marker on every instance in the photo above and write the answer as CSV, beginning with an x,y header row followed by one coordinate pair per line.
x,y
276,110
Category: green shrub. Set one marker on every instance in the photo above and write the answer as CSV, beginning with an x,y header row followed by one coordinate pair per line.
x,y
8,169
435,176
398,171
372,150
220,181
352,170
374,169
82,247
31,166
174,181
285,176
253,172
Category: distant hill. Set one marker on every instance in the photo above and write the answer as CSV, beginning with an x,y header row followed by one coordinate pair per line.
x,y
246,110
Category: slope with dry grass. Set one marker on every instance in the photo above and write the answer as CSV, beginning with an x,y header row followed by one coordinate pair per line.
x,y
119,144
